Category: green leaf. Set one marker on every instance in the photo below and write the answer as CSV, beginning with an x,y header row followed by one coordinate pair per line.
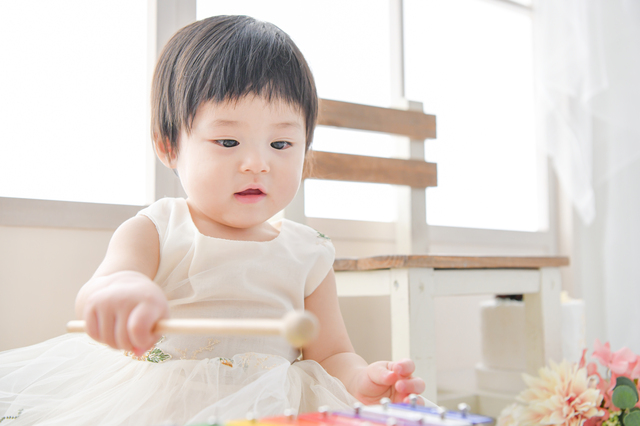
x,y
624,381
157,356
624,397
632,418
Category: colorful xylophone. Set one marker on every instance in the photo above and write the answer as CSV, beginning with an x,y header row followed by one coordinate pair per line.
x,y
386,414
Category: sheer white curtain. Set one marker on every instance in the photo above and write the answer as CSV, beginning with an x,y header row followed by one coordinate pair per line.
x,y
588,89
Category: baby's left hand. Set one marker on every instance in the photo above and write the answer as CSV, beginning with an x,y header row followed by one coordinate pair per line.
x,y
392,380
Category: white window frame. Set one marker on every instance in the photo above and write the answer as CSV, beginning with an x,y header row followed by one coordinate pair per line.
x,y
166,17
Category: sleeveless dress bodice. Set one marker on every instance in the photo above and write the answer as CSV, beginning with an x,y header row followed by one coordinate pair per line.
x,y
206,277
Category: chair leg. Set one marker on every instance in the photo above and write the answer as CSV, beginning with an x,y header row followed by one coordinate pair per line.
x,y
413,332
543,318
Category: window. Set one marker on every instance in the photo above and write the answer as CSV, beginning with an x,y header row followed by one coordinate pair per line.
x,y
74,100
470,63
89,112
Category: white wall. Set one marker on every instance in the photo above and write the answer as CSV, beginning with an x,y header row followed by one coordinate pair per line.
x,y
41,270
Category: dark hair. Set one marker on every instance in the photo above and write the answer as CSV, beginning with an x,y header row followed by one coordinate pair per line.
x,y
224,58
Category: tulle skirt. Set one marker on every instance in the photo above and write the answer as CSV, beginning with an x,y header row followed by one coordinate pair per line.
x,y
72,380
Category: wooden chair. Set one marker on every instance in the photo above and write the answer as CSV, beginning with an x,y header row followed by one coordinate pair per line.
x,y
414,279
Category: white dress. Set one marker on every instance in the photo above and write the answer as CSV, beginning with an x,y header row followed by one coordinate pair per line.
x,y
186,379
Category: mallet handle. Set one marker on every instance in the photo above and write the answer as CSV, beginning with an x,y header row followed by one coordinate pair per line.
x,y
298,327
204,326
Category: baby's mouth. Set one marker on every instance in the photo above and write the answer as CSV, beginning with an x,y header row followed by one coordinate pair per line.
x,y
255,191
250,196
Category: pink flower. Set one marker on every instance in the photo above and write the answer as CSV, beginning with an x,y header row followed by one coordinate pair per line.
x,y
583,358
634,370
617,362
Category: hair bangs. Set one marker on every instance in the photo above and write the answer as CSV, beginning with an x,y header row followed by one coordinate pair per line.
x,y
225,58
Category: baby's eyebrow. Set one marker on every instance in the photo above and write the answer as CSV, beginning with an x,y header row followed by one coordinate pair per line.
x,y
222,122
286,124
234,123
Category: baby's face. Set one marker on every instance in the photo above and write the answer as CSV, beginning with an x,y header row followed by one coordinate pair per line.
x,y
242,162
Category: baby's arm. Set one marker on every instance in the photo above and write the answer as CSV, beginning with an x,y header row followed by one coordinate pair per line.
x,y
121,303
333,350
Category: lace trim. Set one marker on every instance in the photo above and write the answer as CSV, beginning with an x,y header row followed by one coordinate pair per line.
x,y
154,355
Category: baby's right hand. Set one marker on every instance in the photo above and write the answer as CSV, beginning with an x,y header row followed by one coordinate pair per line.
x,y
123,311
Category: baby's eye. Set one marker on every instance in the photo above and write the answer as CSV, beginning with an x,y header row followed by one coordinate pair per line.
x,y
227,143
280,144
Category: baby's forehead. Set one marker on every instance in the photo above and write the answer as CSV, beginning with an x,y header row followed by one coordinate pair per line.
x,y
250,107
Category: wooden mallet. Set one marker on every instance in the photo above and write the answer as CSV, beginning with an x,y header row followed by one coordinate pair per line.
x,y
297,327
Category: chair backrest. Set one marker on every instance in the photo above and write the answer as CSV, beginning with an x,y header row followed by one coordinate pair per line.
x,y
411,172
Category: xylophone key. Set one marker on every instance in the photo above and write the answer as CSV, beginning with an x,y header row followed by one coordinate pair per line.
x,y
254,422
462,415
377,414
250,420
310,419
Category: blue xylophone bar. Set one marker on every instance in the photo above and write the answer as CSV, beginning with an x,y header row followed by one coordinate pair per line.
x,y
474,419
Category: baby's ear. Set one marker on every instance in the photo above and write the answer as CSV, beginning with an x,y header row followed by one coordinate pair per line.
x,y
166,153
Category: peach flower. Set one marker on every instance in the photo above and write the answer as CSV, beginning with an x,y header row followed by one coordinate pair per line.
x,y
562,395
510,415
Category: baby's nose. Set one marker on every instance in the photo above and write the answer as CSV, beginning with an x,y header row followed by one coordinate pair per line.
x,y
255,163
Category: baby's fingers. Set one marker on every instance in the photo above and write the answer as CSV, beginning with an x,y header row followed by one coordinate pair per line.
x,y
409,386
106,325
142,320
91,324
403,368
380,373
122,334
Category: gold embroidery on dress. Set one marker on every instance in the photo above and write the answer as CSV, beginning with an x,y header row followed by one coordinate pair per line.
x,y
185,352
155,354
245,360
259,362
207,348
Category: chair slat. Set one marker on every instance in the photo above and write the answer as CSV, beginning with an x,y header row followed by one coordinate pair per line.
x,y
414,124
357,168
447,262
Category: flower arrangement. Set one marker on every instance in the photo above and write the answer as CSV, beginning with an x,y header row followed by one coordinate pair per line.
x,y
573,394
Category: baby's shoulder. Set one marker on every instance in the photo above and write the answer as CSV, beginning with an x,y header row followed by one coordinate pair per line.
x,y
165,207
164,211
303,234
162,205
